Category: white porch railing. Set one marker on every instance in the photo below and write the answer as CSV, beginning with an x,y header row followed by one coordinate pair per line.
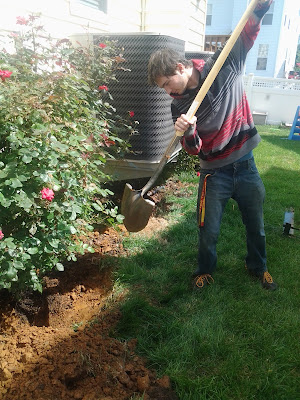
x,y
278,99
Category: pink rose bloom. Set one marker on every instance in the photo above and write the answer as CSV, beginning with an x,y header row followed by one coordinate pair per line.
x,y
131,113
102,45
47,194
103,87
5,74
198,173
1,235
22,21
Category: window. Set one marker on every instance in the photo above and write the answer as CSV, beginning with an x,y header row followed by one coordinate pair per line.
x,y
212,42
100,5
209,14
268,18
262,57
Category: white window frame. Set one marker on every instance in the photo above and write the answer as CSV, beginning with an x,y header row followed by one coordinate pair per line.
x,y
262,57
209,14
100,5
86,9
268,17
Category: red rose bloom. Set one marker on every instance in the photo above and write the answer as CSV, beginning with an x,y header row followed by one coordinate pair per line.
x,y
22,21
102,45
5,74
47,194
103,87
131,113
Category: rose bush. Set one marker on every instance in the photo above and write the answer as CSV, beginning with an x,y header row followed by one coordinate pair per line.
x,y
56,127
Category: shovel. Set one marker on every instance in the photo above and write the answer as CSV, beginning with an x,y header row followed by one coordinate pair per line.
x,y
134,207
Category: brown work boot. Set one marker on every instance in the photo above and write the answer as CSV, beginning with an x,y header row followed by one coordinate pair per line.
x,y
200,281
265,279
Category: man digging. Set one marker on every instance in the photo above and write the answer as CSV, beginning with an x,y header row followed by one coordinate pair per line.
x,y
223,135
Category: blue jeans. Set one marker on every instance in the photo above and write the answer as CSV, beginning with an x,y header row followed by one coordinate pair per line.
x,y
241,182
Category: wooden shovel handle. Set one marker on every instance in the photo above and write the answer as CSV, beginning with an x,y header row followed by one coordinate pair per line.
x,y
219,62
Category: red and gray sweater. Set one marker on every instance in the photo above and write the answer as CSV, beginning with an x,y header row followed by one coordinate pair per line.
x,y
225,131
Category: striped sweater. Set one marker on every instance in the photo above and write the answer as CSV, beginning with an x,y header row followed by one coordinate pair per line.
x,y
225,131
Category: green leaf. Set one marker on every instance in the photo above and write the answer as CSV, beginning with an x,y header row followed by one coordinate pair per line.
x,y
54,243
10,243
97,207
98,162
11,273
15,183
73,216
3,174
18,265
48,250
23,200
60,267
26,159
38,286
44,177
76,208
33,229
32,250
73,230
23,178
120,218
58,145
35,280
50,216
20,120
75,154
103,192
4,201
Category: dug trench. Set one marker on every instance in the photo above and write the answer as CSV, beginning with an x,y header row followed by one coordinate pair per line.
x,y
58,345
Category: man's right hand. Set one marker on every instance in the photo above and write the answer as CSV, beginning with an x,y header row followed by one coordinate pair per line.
x,y
183,124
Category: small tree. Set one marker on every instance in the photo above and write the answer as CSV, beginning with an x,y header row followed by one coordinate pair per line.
x,y
56,125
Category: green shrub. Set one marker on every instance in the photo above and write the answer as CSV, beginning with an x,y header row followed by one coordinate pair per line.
x,y
56,127
186,162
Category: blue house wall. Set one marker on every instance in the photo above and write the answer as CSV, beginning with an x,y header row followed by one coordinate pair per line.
x,y
281,37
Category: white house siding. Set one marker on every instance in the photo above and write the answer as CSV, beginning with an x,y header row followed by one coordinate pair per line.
x,y
59,17
196,25
184,19
124,16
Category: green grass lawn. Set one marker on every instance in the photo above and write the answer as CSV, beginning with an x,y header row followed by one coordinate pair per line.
x,y
234,340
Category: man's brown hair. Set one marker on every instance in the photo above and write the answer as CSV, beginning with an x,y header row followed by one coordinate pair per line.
x,y
164,63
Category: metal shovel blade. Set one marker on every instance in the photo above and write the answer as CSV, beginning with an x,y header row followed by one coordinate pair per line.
x,y
136,209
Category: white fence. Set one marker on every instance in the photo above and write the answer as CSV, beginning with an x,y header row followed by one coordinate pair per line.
x,y
277,99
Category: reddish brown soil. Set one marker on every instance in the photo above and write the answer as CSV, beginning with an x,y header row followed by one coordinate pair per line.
x,y
58,345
